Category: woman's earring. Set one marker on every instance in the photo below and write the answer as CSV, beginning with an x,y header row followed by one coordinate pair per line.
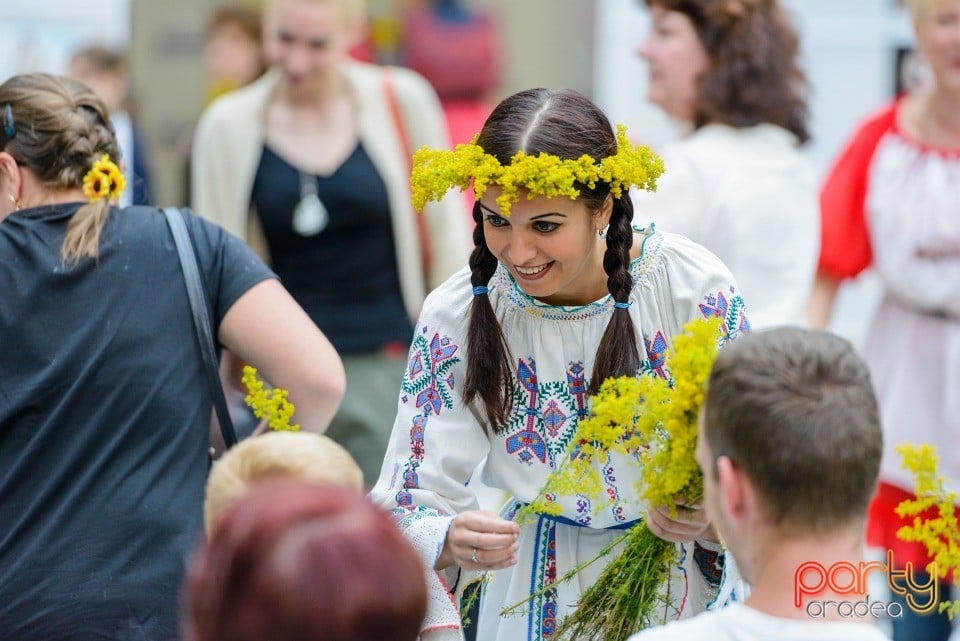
x,y
16,201
602,233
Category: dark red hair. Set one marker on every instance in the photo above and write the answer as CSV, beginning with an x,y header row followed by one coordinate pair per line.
x,y
298,561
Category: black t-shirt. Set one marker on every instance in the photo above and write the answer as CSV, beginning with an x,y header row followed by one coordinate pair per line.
x,y
104,416
345,276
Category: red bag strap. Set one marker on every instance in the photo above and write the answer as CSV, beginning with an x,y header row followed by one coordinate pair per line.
x,y
400,125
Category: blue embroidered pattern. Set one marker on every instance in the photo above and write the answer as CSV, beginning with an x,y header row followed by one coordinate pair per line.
x,y
542,617
429,382
656,353
731,311
710,563
547,413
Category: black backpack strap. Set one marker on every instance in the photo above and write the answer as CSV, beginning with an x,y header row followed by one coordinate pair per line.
x,y
201,319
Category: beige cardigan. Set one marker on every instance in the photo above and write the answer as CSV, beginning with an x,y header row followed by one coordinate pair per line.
x,y
229,141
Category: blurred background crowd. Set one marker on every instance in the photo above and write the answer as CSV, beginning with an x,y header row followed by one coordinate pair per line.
x,y
745,162
159,64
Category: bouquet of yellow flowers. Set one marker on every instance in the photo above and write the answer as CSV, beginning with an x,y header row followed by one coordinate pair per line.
x,y
270,406
940,534
653,419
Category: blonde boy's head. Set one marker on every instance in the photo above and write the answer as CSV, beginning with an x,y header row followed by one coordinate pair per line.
x,y
300,455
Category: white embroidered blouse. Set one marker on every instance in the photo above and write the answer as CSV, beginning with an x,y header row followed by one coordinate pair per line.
x,y
438,442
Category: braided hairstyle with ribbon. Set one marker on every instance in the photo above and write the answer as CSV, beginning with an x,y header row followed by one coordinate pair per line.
x,y
568,125
58,128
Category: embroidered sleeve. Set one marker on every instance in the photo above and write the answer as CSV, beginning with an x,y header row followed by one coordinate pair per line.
x,y
726,304
435,447
436,442
714,579
696,284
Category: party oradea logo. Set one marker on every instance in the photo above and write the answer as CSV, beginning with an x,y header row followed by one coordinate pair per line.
x,y
812,579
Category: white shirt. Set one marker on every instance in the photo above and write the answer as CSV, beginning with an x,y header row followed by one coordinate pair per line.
x,y
739,622
750,196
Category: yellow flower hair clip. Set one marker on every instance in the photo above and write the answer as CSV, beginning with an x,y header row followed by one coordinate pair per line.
x,y
436,171
104,180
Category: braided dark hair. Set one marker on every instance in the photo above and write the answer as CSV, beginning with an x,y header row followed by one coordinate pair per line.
x,y
489,375
568,125
617,354
59,129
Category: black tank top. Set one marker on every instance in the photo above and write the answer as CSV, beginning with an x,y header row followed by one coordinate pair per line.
x,y
344,276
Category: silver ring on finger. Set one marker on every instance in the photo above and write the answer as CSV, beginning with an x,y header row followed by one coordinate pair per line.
x,y
474,557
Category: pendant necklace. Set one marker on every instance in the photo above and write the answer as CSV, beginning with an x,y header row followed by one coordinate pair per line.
x,y
310,216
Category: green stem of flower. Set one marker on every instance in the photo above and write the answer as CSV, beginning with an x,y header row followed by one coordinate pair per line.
x,y
515,608
624,598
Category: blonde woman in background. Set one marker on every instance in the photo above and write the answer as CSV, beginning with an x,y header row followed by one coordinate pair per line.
x,y
892,202
319,149
104,406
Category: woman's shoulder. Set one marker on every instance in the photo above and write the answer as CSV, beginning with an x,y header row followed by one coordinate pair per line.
x,y
700,159
407,83
884,116
146,225
695,283
870,129
719,142
674,247
449,304
687,261
138,220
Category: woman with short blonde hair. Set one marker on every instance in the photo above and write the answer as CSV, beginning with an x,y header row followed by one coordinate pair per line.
x,y
310,165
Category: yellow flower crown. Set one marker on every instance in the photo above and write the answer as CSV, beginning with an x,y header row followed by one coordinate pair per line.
x,y
104,180
436,171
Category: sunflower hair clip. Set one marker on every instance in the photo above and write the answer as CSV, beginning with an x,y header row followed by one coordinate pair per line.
x,y
436,171
104,180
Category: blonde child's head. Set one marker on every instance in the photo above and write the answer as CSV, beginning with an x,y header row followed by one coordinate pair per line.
x,y
300,455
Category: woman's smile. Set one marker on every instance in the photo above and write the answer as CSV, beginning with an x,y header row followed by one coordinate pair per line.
x,y
533,273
